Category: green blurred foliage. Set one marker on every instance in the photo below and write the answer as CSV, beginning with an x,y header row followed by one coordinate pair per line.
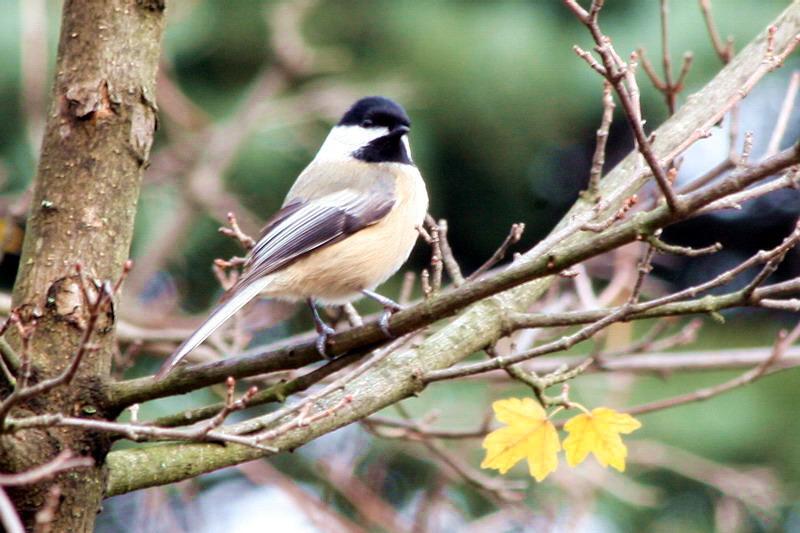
x,y
503,117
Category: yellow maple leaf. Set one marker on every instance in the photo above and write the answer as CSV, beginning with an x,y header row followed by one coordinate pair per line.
x,y
599,432
528,435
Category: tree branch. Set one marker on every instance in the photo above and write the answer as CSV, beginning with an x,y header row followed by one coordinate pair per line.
x,y
538,265
397,376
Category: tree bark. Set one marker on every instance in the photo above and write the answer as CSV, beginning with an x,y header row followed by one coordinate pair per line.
x,y
96,143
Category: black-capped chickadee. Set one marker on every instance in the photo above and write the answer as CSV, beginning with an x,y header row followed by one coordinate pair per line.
x,y
348,223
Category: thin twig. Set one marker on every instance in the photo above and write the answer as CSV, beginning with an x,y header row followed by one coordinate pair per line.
x,y
450,262
507,491
437,264
301,420
783,342
643,269
260,423
674,249
597,227
134,432
747,147
23,390
724,51
617,314
235,232
789,180
353,316
539,263
513,237
666,59
200,432
792,305
407,288
275,393
623,81
650,342
772,260
599,157
751,487
45,516
783,116
8,514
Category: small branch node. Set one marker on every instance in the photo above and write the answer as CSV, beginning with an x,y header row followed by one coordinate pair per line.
x,y
235,232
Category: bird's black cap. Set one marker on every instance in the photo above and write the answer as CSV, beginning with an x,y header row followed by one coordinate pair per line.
x,y
376,111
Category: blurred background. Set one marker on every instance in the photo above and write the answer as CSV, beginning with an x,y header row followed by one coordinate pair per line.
x,y
503,127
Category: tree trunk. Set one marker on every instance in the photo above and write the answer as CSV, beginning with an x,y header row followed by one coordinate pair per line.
x,y
97,141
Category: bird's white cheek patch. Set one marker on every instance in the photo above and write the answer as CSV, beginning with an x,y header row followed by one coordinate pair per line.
x,y
344,140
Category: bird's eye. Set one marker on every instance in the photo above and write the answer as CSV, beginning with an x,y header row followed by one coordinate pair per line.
x,y
366,123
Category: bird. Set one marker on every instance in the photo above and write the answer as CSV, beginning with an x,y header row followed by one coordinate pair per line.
x,y
347,224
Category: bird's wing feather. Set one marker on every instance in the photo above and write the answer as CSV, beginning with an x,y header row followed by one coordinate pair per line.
x,y
314,224
297,229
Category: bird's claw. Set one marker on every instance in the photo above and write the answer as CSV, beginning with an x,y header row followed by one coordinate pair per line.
x,y
383,321
324,332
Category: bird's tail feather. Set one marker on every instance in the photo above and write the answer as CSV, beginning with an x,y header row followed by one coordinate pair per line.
x,y
218,317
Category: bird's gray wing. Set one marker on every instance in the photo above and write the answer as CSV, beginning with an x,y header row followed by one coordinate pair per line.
x,y
300,227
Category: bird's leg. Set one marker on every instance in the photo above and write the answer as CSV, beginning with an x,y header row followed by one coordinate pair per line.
x,y
323,330
389,308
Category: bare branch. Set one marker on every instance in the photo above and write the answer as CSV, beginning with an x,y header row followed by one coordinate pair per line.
x,y
538,263
513,237
603,225
792,305
96,305
784,341
275,393
789,180
437,264
257,424
663,247
599,157
407,288
783,116
618,314
235,232
772,259
450,262
624,83
668,87
724,51
200,432
302,419
8,515
45,516
750,487
496,488
651,343
398,374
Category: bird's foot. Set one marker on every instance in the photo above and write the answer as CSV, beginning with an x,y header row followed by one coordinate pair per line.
x,y
324,331
390,307
383,321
